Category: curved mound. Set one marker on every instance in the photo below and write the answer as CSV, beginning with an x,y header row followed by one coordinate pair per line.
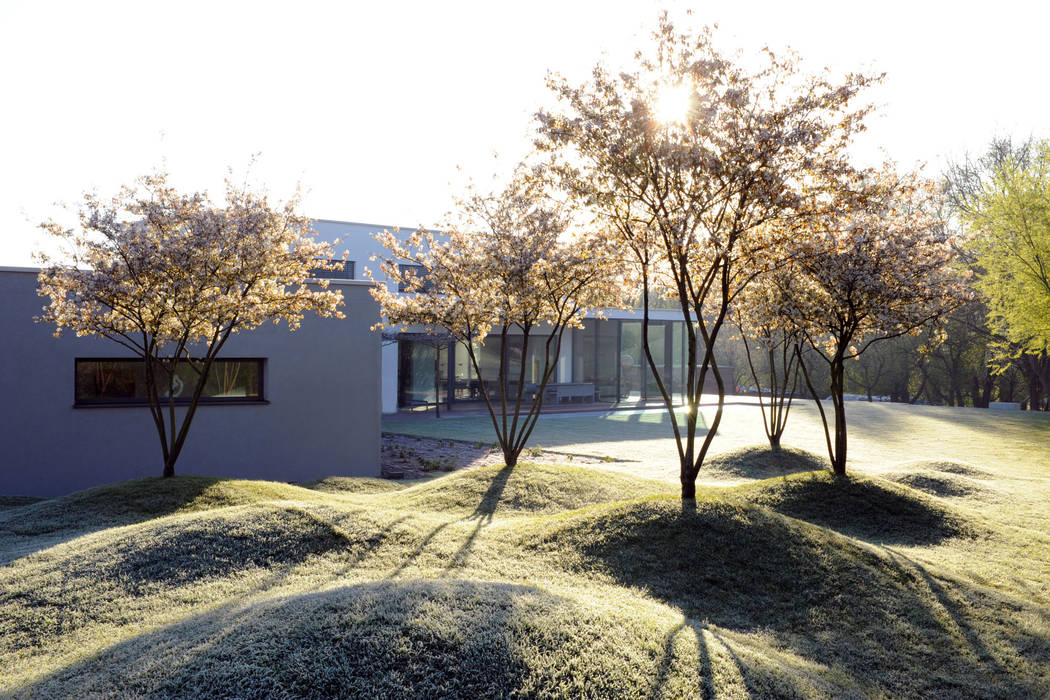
x,y
738,565
526,488
947,467
141,499
938,484
874,615
417,639
760,462
353,484
18,501
180,551
875,510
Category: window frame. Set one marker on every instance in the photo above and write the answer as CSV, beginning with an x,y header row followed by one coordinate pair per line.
x,y
402,287
347,272
261,399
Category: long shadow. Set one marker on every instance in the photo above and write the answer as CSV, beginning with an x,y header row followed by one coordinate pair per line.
x,y
483,515
841,604
705,680
959,623
866,509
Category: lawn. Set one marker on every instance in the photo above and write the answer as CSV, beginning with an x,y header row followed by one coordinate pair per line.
x,y
927,573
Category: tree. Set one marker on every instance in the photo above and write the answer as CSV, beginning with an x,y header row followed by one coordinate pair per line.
x,y
759,314
1007,214
878,269
509,264
690,195
171,276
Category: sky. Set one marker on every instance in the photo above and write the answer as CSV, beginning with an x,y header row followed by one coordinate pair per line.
x,y
382,112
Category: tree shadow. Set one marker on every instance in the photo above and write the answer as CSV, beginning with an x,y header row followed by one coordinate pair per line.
x,y
941,485
705,680
873,510
830,600
483,515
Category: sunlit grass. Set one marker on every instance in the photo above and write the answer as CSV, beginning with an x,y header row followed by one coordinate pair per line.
x,y
554,581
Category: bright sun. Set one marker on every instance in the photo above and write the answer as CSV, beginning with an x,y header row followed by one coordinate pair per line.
x,y
672,103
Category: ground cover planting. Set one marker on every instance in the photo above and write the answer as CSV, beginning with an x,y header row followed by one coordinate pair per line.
x,y
550,580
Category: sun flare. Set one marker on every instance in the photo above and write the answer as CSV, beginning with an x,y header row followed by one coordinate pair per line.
x,y
672,103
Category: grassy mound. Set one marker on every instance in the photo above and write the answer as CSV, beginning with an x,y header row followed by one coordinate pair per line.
x,y
871,509
876,616
760,462
138,500
176,552
945,467
107,578
353,484
419,639
18,501
736,564
525,489
939,484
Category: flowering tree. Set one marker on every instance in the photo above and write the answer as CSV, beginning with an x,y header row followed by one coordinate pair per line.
x,y
171,276
880,268
687,159
509,264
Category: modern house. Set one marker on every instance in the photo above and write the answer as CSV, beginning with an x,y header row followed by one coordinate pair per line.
x,y
602,363
283,405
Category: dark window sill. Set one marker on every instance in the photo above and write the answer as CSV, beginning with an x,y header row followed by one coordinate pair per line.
x,y
178,404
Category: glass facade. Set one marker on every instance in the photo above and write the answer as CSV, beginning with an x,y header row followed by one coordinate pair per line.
x,y
606,354
123,381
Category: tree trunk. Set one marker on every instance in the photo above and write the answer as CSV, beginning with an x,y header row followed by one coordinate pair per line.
x,y
688,488
838,459
169,468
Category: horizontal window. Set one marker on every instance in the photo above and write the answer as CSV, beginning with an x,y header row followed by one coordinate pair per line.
x,y
123,381
414,271
346,272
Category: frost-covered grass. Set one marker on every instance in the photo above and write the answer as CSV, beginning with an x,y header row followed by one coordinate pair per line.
x,y
931,579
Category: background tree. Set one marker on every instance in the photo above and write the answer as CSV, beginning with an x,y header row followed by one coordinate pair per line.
x,y
759,315
686,159
171,276
879,269
1007,215
510,263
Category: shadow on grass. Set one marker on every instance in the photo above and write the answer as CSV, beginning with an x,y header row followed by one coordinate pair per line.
x,y
874,510
481,516
842,605
392,639
34,526
183,553
760,462
942,485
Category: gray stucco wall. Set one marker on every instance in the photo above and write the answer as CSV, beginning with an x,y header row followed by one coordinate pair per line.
x,y
323,417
